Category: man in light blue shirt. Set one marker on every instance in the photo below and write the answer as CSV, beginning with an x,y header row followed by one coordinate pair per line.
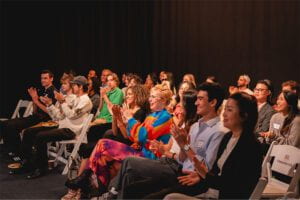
x,y
153,179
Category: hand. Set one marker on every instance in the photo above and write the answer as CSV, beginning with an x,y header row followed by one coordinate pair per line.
x,y
200,167
157,146
117,112
268,134
59,97
180,135
103,91
136,146
46,100
233,89
98,121
33,93
191,178
127,114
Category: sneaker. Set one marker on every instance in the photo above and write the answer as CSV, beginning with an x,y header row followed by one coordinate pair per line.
x,y
72,195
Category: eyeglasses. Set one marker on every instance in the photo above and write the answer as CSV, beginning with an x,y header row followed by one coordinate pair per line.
x,y
259,90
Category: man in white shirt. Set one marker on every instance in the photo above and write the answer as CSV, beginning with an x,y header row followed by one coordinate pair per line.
x,y
70,114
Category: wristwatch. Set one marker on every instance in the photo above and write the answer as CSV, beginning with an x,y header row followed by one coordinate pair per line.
x,y
186,147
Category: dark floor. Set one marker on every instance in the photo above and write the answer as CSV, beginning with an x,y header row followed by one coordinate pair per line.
x,y
50,186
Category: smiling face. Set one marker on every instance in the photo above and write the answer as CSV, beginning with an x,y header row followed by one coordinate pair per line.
x,y
156,101
130,98
183,87
261,92
281,104
231,115
202,103
46,80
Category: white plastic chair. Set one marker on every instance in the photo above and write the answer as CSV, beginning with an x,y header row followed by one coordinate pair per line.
x,y
68,158
286,161
28,105
21,104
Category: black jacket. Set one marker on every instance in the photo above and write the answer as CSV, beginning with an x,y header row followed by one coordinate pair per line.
x,y
241,170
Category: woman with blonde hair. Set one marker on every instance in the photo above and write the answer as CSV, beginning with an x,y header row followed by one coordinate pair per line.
x,y
109,154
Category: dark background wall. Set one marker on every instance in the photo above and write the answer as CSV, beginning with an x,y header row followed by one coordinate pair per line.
x,y
221,38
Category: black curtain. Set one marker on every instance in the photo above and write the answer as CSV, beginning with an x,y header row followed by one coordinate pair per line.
x,y
221,38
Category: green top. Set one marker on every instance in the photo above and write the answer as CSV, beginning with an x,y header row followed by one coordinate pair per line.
x,y
115,97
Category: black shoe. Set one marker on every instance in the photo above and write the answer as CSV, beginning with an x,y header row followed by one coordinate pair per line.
x,y
20,168
80,182
36,173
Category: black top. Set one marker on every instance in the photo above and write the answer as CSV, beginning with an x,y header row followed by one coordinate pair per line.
x,y
241,170
140,114
49,92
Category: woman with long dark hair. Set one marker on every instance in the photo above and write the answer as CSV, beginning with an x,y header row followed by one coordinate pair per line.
x,y
285,125
238,165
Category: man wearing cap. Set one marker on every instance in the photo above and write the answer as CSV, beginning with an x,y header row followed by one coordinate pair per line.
x,y
71,117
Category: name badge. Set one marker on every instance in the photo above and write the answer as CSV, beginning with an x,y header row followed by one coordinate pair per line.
x,y
276,126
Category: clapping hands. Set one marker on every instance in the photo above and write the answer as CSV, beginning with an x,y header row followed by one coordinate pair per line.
x,y
33,93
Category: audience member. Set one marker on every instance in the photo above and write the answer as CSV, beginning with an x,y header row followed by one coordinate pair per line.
x,y
263,94
11,128
138,175
93,93
189,78
237,169
242,85
108,154
285,125
104,75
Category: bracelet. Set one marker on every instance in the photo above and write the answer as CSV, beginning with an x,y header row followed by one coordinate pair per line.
x,y
173,156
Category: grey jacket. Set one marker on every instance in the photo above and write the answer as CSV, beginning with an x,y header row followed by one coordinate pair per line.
x,y
264,116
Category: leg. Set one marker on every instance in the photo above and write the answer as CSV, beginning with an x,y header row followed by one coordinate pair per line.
x,y
141,169
44,137
28,139
177,187
96,132
11,131
178,196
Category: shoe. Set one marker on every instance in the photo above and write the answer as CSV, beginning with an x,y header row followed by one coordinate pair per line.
x,y
36,174
19,168
80,182
72,195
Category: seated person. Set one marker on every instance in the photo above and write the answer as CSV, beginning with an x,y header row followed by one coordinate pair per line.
x,y
138,175
93,92
11,128
190,78
108,154
292,86
242,85
263,95
110,95
70,114
285,125
237,169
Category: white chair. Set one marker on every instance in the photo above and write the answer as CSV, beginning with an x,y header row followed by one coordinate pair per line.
x,y
21,104
63,155
28,105
285,160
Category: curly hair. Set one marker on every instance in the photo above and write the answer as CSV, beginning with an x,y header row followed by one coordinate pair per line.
x,y
140,93
164,91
